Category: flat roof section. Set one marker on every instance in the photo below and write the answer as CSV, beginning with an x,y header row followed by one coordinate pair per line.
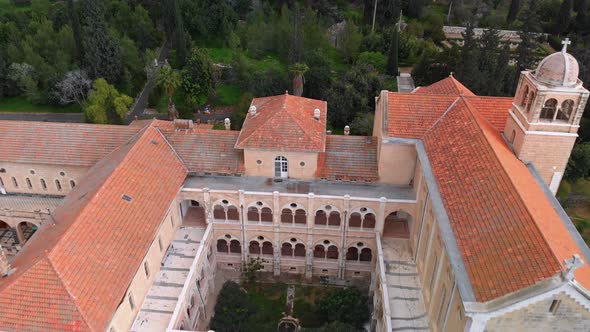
x,y
29,203
292,186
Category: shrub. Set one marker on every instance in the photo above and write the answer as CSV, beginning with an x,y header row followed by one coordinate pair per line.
x,y
346,305
376,59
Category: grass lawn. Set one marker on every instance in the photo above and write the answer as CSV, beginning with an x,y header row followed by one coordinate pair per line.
x,y
227,94
271,300
21,105
221,54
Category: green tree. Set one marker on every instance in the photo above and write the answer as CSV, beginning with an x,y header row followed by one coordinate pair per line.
x,y
578,165
298,70
251,268
106,104
76,29
347,305
351,41
169,80
526,51
513,11
318,79
181,39
375,59
362,124
392,59
102,54
232,310
197,79
564,16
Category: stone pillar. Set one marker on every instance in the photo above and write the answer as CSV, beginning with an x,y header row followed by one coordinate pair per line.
x,y
310,225
344,224
381,216
4,265
207,203
20,236
276,210
242,225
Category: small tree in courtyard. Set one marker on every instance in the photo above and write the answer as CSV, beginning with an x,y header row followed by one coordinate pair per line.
x,y
347,305
232,310
251,267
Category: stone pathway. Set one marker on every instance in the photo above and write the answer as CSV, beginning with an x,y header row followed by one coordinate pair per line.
x,y
405,83
403,283
160,302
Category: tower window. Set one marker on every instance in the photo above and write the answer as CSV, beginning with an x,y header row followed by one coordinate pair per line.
x,y
554,306
565,112
525,95
530,102
14,182
131,302
548,111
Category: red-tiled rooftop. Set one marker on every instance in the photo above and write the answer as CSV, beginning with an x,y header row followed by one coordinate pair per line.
x,y
88,266
284,123
74,144
350,158
448,87
493,109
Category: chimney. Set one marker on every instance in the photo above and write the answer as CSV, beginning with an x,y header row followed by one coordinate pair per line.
x,y
252,110
4,266
227,123
182,124
346,130
316,114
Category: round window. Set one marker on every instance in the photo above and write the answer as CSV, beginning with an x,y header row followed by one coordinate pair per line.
x,y
32,172
363,209
293,205
259,203
326,242
225,201
259,162
293,239
360,244
62,173
227,236
328,207
261,238
302,163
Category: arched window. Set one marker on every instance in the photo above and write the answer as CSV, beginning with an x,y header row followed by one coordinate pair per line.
x,y
233,213
281,167
352,254
72,183
253,214
548,111
287,249
43,184
254,248
530,102
287,216
320,218
299,250
266,215
14,182
355,220
369,221
218,212
57,185
332,252
525,95
334,219
300,217
222,246
319,251
565,112
366,255
267,248
29,184
235,247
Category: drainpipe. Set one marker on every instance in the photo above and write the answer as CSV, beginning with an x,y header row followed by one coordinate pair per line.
x,y
342,262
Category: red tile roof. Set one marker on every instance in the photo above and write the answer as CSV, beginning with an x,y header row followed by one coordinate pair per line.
x,y
448,87
93,264
210,151
74,144
284,123
350,158
493,109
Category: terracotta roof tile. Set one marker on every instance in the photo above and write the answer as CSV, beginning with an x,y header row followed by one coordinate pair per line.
x,y
488,216
75,144
448,87
284,123
95,264
493,109
351,158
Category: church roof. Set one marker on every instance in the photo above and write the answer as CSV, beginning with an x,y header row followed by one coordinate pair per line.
x,y
77,270
352,158
285,123
448,87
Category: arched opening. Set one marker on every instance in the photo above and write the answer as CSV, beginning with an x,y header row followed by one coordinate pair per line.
x,y
352,254
530,102
219,212
8,237
299,250
281,167
266,215
267,248
334,219
235,247
355,220
319,251
369,221
232,213
193,214
253,215
300,217
366,255
254,248
321,218
287,249
525,95
548,110
222,246
512,136
397,224
26,230
332,252
287,216
565,111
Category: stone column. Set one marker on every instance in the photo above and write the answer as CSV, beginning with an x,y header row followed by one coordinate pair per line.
x,y
344,224
207,203
381,216
243,225
4,265
20,236
310,225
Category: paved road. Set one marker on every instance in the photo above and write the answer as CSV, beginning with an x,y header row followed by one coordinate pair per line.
x,y
44,117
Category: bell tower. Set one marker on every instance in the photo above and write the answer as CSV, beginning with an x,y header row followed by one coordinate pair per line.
x,y
544,118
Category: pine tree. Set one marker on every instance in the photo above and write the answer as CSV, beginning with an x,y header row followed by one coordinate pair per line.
x,y
513,11
488,81
181,39
582,23
526,56
102,54
467,72
530,17
76,30
564,17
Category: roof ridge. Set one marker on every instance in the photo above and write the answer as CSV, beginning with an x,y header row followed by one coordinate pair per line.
x,y
74,299
304,128
242,141
476,117
171,147
451,106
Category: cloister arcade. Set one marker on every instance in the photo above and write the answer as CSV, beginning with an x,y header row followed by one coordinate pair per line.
x,y
12,238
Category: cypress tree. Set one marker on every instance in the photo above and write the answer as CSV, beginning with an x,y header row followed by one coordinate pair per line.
x,y
467,71
513,11
564,17
102,54
392,60
181,40
582,24
76,30
488,61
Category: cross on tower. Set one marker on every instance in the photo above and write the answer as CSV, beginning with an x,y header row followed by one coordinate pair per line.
x,y
565,42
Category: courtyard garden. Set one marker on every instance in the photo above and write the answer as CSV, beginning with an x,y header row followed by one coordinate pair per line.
x,y
260,307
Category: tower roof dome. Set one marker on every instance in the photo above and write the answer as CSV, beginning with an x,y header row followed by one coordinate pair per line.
x,y
558,69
